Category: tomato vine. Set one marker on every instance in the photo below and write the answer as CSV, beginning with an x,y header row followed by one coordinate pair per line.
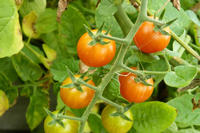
x,y
118,64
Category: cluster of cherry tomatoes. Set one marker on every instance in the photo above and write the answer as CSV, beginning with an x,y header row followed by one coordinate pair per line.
x,y
148,41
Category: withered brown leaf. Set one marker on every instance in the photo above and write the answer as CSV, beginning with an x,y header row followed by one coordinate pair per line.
x,y
62,5
176,4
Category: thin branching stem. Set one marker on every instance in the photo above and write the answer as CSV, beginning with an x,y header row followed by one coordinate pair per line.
x,y
119,107
119,40
186,46
71,118
86,84
120,57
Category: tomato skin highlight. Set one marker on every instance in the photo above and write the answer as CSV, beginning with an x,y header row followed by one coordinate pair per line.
x,y
133,91
71,126
150,41
116,124
74,98
97,55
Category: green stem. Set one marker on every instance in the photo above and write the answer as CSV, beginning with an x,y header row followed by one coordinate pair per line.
x,y
156,22
168,64
120,40
126,25
87,112
137,72
71,118
187,47
184,62
195,46
141,18
123,20
86,84
119,107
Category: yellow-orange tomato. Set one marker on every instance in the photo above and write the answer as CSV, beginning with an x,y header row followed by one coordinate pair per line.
x,y
150,41
96,55
74,98
133,91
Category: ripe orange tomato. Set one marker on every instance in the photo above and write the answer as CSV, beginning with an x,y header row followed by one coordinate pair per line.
x,y
74,98
149,41
97,55
133,91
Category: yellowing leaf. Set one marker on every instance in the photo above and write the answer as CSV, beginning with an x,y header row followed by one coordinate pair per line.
x,y
10,32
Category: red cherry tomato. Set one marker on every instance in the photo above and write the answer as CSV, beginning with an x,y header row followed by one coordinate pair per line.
x,y
133,91
97,55
74,98
149,41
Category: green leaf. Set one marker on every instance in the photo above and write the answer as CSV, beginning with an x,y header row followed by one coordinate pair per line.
x,y
112,91
46,21
35,112
181,76
177,47
30,53
195,31
138,56
95,124
26,68
153,117
50,53
187,4
172,129
58,68
186,114
10,32
182,22
6,86
52,40
71,28
60,103
9,70
37,6
157,65
190,130
193,17
162,14
104,14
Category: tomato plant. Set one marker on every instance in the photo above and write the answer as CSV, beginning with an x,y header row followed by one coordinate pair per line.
x,y
116,124
76,55
133,91
96,55
70,126
150,41
82,99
